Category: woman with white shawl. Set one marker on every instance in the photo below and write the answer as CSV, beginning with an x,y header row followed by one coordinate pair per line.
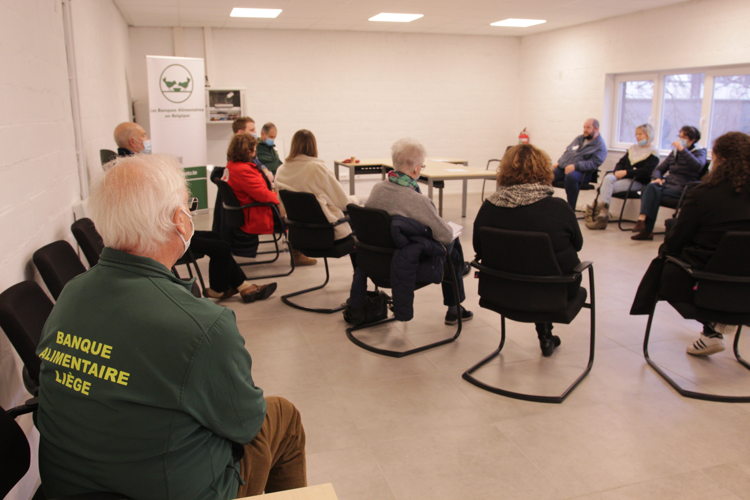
x,y
635,166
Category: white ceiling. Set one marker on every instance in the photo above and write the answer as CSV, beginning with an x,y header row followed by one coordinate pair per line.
x,y
469,17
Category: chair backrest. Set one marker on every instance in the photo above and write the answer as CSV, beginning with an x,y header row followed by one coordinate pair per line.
x,y
88,239
730,259
24,308
372,228
520,253
58,263
232,217
15,455
106,156
309,228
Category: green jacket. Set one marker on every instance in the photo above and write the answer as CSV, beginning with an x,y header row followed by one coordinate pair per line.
x,y
143,387
268,156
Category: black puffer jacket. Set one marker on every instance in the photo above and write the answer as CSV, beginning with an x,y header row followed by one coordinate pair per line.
x,y
418,260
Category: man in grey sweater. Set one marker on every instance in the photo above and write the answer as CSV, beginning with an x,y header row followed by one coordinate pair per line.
x,y
580,160
399,195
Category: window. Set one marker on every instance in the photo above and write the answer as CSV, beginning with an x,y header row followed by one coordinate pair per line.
x,y
716,100
682,98
635,102
730,106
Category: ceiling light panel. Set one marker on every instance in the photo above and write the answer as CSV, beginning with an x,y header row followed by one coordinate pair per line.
x,y
392,17
255,13
512,22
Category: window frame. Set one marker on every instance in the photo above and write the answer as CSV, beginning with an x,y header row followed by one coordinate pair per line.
x,y
657,103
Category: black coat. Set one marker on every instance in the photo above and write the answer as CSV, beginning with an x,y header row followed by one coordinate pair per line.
x,y
419,259
549,215
707,213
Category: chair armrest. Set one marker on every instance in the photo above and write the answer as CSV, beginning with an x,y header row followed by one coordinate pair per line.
x,y
255,204
703,275
582,266
373,248
29,406
527,278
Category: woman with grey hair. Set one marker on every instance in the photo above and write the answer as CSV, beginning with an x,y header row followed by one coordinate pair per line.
x,y
399,194
635,166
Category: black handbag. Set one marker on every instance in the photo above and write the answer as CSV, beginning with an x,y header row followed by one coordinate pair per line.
x,y
374,309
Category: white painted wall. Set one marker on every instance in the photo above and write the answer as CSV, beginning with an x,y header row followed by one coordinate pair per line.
x,y
39,177
563,73
100,37
358,92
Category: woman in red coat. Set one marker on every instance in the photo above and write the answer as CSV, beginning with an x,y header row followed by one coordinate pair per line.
x,y
250,185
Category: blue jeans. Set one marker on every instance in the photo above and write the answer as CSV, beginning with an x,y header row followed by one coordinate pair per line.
x,y
651,201
572,183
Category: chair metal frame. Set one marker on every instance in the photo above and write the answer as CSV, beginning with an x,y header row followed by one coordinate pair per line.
x,y
698,275
468,374
286,298
408,352
189,260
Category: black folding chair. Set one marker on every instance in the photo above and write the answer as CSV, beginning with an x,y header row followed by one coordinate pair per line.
x,y
58,263
106,156
375,249
244,244
667,201
24,308
722,295
15,456
311,233
88,239
519,278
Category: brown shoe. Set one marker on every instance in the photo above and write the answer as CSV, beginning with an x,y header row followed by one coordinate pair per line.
x,y
257,292
640,226
643,235
301,259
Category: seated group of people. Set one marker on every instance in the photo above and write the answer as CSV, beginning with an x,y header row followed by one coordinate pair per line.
x,y
147,391
639,170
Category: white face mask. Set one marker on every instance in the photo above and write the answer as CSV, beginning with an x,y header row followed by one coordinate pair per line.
x,y
146,147
186,242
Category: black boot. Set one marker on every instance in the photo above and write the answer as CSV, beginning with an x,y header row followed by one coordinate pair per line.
x,y
547,342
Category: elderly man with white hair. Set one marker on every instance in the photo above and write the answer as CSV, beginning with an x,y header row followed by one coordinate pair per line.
x,y
145,390
399,194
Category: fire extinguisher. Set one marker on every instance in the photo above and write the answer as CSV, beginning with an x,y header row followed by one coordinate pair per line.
x,y
523,137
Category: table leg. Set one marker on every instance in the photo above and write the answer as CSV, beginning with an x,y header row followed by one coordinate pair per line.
x,y
429,188
352,170
336,169
463,197
440,200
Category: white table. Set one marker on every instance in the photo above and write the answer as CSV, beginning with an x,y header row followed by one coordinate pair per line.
x,y
435,173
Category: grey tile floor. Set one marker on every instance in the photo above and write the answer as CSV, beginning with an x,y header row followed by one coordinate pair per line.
x,y
381,428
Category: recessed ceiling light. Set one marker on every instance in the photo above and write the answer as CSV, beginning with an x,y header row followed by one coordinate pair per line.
x,y
390,17
518,23
257,13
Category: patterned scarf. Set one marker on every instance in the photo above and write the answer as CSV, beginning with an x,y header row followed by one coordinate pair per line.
x,y
520,195
403,180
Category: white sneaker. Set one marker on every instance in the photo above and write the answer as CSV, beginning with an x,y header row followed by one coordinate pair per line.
x,y
705,346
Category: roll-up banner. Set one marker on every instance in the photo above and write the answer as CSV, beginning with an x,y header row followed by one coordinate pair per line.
x,y
177,107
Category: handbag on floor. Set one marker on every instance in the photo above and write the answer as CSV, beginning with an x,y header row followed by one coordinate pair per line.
x,y
374,308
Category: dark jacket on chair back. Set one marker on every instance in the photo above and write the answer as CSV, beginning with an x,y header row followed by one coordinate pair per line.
x,y
419,259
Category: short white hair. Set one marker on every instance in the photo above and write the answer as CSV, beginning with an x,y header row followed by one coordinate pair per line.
x,y
407,154
133,205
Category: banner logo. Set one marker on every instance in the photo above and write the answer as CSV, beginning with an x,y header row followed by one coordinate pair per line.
x,y
176,83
